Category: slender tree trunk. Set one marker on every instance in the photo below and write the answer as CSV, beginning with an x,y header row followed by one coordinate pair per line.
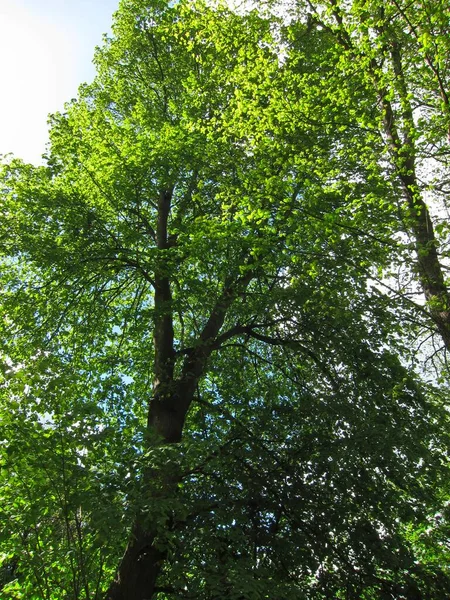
x,y
399,128
398,131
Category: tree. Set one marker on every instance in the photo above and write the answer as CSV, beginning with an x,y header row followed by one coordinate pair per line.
x,y
205,395
402,50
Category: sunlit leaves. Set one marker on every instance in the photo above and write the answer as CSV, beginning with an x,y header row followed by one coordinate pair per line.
x,y
313,459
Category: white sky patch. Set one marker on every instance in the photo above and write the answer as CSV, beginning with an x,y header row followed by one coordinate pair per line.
x,y
46,49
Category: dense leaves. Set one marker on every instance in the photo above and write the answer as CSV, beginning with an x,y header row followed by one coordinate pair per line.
x,y
217,381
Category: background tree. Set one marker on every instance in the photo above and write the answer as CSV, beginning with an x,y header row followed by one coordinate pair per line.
x,y
398,52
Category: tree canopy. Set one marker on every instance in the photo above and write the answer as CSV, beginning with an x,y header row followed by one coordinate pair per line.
x,y
225,312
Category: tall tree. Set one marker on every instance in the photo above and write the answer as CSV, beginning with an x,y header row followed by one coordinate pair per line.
x,y
205,396
400,50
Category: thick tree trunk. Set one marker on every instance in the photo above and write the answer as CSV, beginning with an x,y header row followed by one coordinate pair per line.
x,y
138,571
140,566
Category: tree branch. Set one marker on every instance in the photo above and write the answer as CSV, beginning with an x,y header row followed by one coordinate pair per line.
x,y
163,332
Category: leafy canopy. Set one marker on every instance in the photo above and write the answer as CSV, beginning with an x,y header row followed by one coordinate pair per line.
x,y
209,247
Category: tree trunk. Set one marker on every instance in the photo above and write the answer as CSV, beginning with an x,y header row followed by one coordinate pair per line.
x,y
172,396
418,218
139,568
399,128
140,565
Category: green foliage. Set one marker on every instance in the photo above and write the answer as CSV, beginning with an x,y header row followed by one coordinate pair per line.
x,y
314,457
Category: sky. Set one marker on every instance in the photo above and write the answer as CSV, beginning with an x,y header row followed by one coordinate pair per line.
x,y
46,51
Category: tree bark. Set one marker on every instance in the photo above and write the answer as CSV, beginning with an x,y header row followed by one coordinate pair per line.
x,y
399,128
140,566
418,218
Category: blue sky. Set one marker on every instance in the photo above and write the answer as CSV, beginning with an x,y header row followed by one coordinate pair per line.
x,y
46,49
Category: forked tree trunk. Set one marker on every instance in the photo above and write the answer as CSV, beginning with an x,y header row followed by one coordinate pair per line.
x,y
140,566
137,574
